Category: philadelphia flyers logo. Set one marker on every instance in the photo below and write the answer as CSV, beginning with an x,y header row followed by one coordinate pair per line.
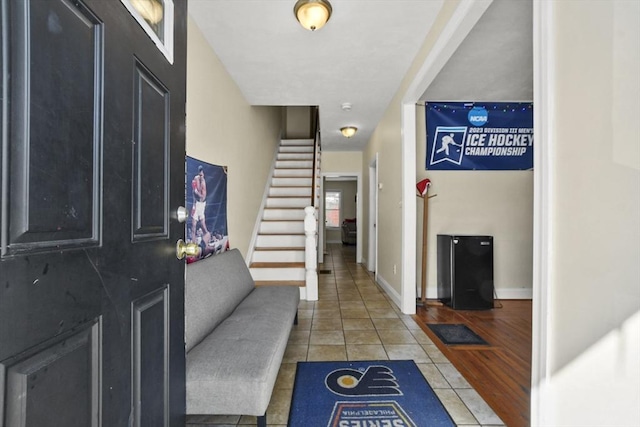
x,y
374,381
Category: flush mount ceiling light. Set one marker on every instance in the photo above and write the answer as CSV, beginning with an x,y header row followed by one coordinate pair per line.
x,y
348,131
312,14
151,10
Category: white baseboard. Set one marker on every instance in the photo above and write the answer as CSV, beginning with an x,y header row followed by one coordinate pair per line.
x,y
502,293
514,293
393,294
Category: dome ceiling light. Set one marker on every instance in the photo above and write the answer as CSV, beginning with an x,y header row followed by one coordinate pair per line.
x,y
348,131
312,14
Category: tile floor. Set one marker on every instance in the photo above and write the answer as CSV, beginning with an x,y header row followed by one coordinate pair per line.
x,y
354,319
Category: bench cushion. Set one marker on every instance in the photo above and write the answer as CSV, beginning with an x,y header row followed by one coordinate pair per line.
x,y
213,288
233,370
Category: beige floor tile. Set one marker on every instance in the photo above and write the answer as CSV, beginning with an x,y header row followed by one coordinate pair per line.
x,y
305,314
383,313
278,410
377,304
361,337
420,336
366,352
295,353
352,304
299,337
329,324
396,336
357,324
456,407
433,375
434,353
349,296
382,323
319,337
286,375
326,353
355,313
303,325
325,313
407,352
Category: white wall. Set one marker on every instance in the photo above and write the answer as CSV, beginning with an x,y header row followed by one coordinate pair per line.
x,y
222,128
586,369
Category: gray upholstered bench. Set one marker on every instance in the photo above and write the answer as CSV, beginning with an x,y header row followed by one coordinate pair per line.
x,y
236,335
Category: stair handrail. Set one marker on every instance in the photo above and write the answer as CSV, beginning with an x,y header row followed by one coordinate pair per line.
x,y
316,150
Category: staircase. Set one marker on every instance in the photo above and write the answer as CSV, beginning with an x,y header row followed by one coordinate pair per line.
x,y
279,252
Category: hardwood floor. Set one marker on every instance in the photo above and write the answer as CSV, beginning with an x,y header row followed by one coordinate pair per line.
x,y
501,372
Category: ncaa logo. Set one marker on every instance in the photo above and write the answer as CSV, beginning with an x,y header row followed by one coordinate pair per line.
x,y
374,381
478,116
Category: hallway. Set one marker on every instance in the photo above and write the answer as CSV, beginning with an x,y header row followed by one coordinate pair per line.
x,y
355,320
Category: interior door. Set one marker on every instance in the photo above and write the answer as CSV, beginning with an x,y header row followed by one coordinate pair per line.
x,y
92,165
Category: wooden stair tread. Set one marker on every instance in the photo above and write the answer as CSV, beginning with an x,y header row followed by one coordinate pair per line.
x,y
283,220
299,283
267,264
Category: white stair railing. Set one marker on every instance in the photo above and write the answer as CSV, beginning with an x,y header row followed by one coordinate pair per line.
x,y
310,253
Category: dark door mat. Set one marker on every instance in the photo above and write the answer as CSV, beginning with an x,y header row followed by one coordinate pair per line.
x,y
456,334
324,271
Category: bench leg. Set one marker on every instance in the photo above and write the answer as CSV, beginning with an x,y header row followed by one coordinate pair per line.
x,y
262,420
295,321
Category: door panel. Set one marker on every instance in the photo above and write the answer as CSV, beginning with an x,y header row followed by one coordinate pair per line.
x,y
92,165
150,151
54,129
33,392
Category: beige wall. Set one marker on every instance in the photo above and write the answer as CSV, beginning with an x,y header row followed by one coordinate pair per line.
x,y
298,123
222,128
496,203
387,142
593,307
341,162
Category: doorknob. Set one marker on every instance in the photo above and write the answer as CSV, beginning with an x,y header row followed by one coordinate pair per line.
x,y
182,214
183,249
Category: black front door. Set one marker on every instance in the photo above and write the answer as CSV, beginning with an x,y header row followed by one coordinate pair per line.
x,y
91,172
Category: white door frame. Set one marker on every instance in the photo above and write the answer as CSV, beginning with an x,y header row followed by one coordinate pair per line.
x,y
372,258
463,20
358,177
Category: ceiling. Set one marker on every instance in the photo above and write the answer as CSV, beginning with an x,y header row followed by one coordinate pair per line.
x,y
359,57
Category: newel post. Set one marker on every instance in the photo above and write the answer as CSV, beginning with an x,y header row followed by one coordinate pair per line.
x,y
310,251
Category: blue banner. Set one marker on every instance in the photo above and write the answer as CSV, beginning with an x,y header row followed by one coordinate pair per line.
x,y
479,136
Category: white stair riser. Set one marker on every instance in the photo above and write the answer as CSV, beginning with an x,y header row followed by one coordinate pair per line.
x,y
293,173
290,182
283,214
295,156
264,241
293,149
278,256
285,142
288,202
294,164
282,227
290,191
282,274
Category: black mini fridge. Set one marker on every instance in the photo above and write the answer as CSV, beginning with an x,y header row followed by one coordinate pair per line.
x,y
465,271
